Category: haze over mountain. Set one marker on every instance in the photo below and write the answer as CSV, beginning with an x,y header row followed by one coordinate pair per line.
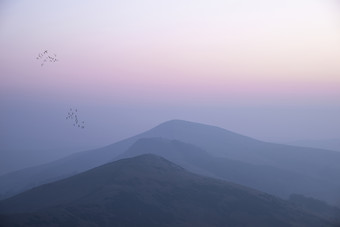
x,y
29,157
313,165
149,191
266,69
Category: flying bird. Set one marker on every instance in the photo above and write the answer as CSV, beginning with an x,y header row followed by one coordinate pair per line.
x,y
74,114
47,57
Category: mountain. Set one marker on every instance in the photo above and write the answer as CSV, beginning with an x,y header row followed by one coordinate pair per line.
x,y
320,165
332,144
149,191
222,143
269,179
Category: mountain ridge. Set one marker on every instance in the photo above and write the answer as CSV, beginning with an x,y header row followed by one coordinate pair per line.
x,y
315,163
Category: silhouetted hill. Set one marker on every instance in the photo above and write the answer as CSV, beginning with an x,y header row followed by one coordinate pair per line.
x,y
148,191
312,164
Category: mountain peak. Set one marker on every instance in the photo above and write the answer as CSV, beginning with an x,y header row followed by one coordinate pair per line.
x,y
204,136
194,127
150,160
173,150
184,123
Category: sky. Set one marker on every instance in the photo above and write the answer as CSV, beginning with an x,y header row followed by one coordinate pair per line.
x,y
269,69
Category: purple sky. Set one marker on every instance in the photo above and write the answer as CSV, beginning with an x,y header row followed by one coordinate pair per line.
x,y
269,70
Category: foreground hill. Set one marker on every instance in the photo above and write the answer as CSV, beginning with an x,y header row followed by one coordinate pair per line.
x,y
321,165
148,191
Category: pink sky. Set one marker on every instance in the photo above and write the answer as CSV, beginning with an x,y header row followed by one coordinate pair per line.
x,y
208,54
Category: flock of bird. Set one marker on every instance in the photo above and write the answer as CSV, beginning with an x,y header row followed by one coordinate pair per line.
x,y
73,115
45,57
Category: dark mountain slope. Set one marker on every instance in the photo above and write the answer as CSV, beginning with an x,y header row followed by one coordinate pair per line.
x,y
149,191
316,207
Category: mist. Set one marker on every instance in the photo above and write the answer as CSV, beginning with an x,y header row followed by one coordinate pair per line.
x,y
247,93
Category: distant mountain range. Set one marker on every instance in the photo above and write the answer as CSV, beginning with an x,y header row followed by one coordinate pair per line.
x,y
148,190
273,168
332,144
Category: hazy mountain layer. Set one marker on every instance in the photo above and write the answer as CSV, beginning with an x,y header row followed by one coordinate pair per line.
x,y
321,165
333,144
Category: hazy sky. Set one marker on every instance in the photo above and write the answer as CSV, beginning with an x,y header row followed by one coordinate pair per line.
x,y
269,69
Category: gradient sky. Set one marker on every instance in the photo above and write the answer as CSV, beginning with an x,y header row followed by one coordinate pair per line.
x,y
269,69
